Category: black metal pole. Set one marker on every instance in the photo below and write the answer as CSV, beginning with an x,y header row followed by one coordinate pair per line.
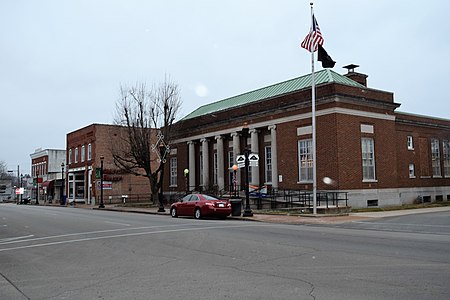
x,y
102,205
234,183
37,187
62,202
247,210
161,179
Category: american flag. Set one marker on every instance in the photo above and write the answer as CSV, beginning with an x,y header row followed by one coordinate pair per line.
x,y
314,37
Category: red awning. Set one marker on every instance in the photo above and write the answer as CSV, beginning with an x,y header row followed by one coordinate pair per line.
x,y
48,184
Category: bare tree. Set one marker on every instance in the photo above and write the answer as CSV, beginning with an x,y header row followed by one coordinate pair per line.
x,y
4,170
147,116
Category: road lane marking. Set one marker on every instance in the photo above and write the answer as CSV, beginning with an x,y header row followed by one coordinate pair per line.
x,y
117,223
84,233
93,232
16,238
402,224
129,235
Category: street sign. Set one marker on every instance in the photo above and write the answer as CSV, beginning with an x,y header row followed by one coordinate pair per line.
x,y
253,157
240,159
107,185
253,163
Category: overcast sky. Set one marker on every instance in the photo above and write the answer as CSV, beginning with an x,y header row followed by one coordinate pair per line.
x,y
62,62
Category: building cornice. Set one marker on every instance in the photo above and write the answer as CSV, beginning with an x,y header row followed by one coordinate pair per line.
x,y
323,112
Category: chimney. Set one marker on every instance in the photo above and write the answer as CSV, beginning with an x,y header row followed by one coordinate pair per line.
x,y
355,76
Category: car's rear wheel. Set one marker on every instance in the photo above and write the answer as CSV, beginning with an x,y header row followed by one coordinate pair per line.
x,y
173,212
198,213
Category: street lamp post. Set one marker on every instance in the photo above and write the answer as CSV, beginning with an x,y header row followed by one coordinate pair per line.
x,y
162,152
102,205
186,173
235,168
63,200
37,187
247,210
21,191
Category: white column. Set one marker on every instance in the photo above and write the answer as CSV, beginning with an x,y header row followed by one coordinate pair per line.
x,y
205,153
73,188
236,151
220,163
191,165
273,144
254,149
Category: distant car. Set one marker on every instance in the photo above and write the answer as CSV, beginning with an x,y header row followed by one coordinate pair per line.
x,y
199,206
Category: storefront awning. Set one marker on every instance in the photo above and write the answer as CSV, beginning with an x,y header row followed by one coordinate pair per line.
x,y
48,184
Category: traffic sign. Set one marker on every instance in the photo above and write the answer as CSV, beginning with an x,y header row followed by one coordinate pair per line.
x,y
240,159
253,157
253,163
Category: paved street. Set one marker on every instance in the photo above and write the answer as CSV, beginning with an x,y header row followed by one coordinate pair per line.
x,y
69,253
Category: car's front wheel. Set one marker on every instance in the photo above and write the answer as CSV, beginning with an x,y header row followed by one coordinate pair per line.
x,y
198,213
173,212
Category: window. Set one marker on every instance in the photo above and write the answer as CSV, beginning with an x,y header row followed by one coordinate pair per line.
x,y
446,153
268,162
411,171
435,158
173,171
89,154
82,153
70,156
76,154
305,160
368,159
230,168
201,168
215,169
410,143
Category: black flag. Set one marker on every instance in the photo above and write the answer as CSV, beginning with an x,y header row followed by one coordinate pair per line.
x,y
322,55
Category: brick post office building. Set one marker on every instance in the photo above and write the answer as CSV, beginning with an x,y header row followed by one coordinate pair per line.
x,y
379,156
85,147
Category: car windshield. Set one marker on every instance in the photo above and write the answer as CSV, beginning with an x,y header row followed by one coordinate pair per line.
x,y
210,197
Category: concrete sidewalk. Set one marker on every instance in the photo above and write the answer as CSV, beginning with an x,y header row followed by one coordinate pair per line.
x,y
284,218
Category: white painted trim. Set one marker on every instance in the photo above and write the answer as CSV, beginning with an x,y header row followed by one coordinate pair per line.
x,y
304,130
366,128
329,111
76,169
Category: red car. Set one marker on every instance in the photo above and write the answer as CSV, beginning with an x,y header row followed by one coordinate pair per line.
x,y
199,206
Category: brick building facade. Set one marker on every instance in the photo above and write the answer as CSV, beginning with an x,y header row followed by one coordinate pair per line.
x,y
47,173
368,149
85,147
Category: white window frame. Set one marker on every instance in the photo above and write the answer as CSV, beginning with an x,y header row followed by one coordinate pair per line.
x,y
410,142
76,155
215,168
446,157
368,159
412,173
201,169
435,158
173,172
89,153
83,152
268,163
305,161
70,156
230,167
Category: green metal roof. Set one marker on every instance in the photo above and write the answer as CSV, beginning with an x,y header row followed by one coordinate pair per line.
x,y
285,87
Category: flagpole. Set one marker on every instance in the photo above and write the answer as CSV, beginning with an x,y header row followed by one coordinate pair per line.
x,y
313,116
